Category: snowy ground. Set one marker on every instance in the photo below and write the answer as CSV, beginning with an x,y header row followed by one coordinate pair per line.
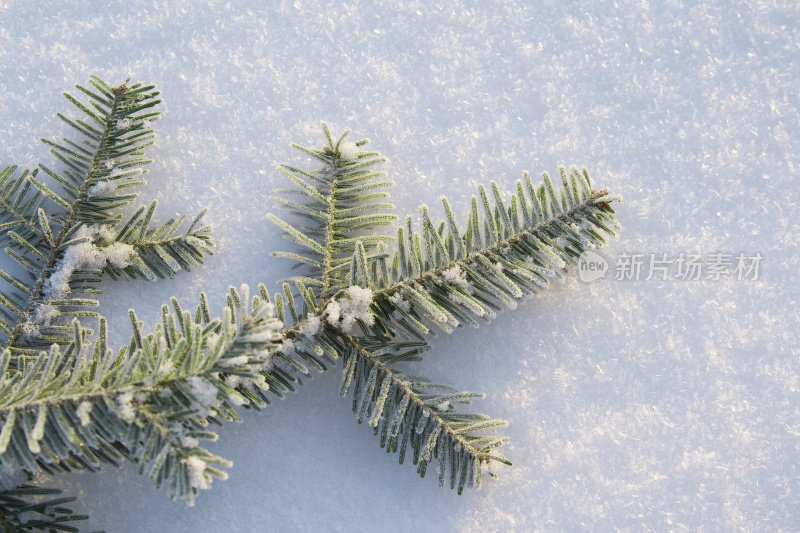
x,y
636,404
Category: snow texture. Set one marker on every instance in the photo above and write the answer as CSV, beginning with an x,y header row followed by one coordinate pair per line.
x,y
651,399
353,305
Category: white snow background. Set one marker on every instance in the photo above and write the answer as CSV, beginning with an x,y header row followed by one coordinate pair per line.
x,y
644,405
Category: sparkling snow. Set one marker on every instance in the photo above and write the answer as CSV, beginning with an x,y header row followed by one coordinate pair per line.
x,y
647,400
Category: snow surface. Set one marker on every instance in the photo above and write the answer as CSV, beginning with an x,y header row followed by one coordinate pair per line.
x,y
649,405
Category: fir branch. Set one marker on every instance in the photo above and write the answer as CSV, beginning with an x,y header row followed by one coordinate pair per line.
x,y
339,203
439,275
111,152
69,408
447,276
19,206
423,414
411,411
75,406
66,237
115,140
160,252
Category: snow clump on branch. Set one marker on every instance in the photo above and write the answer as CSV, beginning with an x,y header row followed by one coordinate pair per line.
x,y
353,305
349,151
87,255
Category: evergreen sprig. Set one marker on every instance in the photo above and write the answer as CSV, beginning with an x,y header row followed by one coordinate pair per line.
x,y
64,229
409,411
447,277
437,276
365,297
70,408
339,205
